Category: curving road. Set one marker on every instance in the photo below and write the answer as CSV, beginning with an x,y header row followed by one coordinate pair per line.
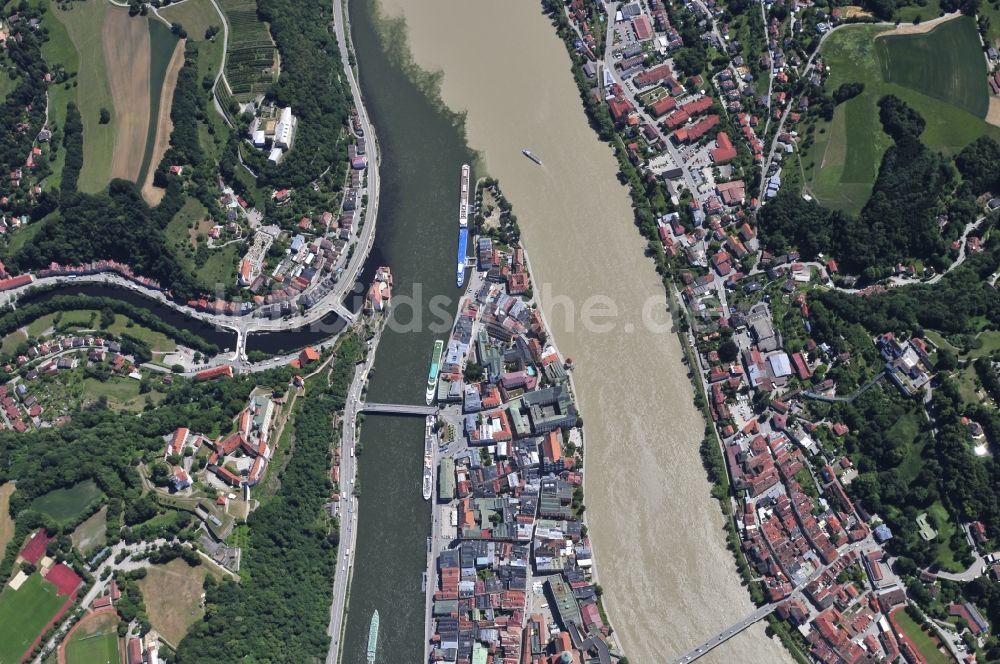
x,y
765,167
348,467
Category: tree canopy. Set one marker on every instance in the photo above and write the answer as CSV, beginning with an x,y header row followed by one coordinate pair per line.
x,y
898,222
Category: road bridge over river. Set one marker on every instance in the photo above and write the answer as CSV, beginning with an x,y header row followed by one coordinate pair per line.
x,y
728,633
396,409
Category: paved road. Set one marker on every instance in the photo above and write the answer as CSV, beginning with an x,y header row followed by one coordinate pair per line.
x,y
397,408
125,565
609,65
348,468
222,65
774,141
976,570
348,505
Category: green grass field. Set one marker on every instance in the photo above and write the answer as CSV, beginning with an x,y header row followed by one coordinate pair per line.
x,y
931,9
946,528
945,63
122,393
948,91
64,505
93,649
220,268
991,10
921,639
82,23
92,533
26,234
23,614
89,319
196,16
6,84
179,233
58,49
907,431
95,642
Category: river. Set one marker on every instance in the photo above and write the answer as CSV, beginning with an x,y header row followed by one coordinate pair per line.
x,y
417,235
669,581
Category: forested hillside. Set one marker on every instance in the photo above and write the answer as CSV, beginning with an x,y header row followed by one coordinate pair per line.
x,y
288,569
900,220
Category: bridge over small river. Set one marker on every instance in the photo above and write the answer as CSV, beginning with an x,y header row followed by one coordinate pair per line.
x,y
396,409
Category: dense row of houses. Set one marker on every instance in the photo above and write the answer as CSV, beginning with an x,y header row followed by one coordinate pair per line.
x,y
515,491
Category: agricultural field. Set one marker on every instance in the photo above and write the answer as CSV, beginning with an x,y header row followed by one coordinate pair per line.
x,y
165,62
95,641
945,63
842,162
84,53
92,533
126,44
251,63
64,505
123,71
23,614
6,523
172,594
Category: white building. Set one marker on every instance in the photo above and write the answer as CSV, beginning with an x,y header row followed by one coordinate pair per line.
x,y
284,132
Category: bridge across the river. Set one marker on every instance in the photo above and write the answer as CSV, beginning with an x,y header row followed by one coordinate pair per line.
x,y
728,633
396,408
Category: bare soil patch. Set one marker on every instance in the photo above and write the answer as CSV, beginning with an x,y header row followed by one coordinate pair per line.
x,y
993,114
6,523
126,52
164,126
919,28
172,594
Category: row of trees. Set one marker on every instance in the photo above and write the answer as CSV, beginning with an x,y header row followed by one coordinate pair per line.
x,y
293,553
186,111
73,143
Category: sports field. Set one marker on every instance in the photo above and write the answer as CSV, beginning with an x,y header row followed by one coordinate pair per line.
x,y
940,73
95,641
23,614
924,642
64,505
